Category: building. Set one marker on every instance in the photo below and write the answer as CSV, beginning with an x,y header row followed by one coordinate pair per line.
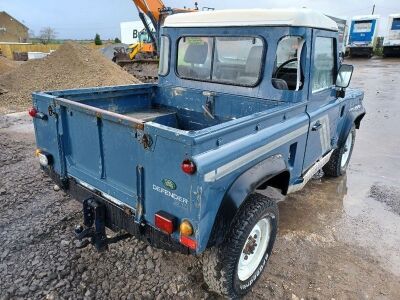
x,y
12,30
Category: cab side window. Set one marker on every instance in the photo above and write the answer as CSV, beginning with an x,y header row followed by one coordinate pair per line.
x,y
324,64
288,73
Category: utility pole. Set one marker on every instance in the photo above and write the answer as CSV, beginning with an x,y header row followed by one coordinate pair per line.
x,y
373,9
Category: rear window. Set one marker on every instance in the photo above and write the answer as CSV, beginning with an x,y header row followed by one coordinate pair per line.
x,y
396,24
229,60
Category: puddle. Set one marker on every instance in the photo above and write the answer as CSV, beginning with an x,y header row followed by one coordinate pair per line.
x,y
329,211
390,195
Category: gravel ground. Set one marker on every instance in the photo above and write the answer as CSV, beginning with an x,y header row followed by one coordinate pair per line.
x,y
38,257
338,238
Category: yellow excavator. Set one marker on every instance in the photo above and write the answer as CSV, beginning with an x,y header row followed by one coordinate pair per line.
x,y
141,58
144,47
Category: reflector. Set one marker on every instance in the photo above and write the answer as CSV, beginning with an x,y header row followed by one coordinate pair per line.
x,y
188,242
165,222
32,112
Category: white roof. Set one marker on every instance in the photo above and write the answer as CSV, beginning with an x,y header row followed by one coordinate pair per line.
x,y
394,16
366,17
252,17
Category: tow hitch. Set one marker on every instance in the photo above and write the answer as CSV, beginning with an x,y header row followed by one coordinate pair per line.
x,y
93,230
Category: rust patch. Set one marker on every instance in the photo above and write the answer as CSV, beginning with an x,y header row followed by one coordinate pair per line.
x,y
147,141
139,126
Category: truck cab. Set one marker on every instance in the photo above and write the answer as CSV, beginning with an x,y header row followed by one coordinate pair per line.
x,y
363,31
391,42
247,100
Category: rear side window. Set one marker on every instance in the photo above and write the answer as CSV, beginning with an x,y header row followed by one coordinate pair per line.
x,y
163,67
230,60
287,73
324,64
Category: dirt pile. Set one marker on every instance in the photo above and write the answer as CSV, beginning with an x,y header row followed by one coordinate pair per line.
x,y
71,66
6,65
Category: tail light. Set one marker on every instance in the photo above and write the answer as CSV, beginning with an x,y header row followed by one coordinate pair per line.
x,y
165,222
188,166
188,242
35,114
32,112
45,158
186,228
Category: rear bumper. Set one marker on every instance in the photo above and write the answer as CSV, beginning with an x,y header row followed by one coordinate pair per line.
x,y
116,218
391,51
360,51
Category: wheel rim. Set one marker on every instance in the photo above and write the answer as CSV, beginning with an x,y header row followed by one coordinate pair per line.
x,y
347,150
254,248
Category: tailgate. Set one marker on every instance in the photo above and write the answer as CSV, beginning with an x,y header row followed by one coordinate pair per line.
x,y
102,150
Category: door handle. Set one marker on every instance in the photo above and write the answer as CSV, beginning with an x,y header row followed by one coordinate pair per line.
x,y
316,126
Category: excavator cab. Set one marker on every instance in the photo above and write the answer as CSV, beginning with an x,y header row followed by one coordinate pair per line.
x,y
141,58
143,49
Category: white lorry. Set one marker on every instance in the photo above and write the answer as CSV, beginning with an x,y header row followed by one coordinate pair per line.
x,y
391,43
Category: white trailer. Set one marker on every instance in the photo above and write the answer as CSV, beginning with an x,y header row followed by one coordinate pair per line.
x,y
391,43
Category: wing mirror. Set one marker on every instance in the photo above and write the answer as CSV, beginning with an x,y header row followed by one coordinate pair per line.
x,y
343,79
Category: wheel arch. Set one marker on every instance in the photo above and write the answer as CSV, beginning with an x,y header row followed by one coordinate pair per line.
x,y
352,120
269,172
358,119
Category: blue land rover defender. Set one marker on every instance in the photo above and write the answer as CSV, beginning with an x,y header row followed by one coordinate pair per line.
x,y
246,100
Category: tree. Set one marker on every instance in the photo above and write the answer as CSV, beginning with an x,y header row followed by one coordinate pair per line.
x,y
31,34
97,40
117,40
47,34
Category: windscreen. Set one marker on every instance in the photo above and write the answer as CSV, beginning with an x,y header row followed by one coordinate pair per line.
x,y
396,24
362,26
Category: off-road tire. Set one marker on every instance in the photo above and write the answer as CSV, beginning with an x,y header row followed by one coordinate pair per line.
x,y
220,263
334,168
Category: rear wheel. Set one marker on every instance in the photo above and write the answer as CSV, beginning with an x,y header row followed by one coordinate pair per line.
x,y
233,267
340,158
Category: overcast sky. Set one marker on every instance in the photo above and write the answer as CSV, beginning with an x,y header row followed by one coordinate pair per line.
x,y
80,19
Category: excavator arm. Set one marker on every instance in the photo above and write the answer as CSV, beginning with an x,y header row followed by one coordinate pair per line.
x,y
150,8
156,11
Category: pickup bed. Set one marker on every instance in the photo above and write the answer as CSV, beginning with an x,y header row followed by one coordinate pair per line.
x,y
179,163
124,141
